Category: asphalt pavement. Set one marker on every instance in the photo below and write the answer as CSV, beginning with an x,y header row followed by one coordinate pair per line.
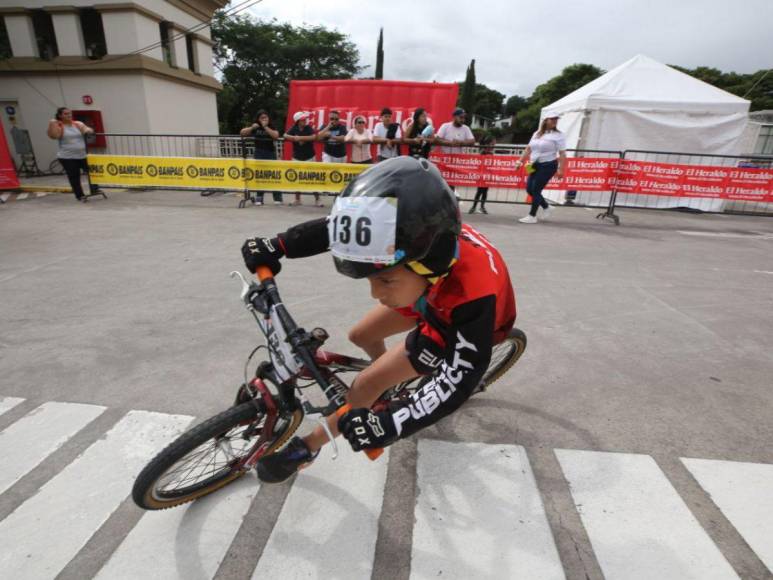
x,y
650,339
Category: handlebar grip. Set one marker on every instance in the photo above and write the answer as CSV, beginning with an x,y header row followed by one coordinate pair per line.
x,y
372,454
264,273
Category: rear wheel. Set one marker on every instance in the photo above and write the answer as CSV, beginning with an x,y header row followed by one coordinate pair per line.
x,y
208,456
503,356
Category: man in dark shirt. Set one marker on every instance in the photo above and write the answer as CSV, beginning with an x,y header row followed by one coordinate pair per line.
x,y
263,134
302,136
333,135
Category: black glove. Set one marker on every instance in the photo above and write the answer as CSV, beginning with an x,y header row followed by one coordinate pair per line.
x,y
367,430
262,252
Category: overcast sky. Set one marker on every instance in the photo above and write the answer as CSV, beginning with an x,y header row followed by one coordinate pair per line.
x,y
518,44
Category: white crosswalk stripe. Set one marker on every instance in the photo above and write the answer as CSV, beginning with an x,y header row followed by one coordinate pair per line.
x,y
479,515
187,542
744,493
638,525
8,403
329,522
478,511
30,440
67,511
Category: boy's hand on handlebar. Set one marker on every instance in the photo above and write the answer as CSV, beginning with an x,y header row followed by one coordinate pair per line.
x,y
367,430
262,252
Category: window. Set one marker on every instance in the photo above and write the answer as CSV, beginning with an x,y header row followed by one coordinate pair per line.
x,y
44,34
165,28
93,33
191,53
5,42
765,141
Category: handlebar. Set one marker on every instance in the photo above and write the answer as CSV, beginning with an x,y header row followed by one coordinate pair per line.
x,y
264,274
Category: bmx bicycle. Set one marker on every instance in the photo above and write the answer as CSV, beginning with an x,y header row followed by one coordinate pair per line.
x,y
271,405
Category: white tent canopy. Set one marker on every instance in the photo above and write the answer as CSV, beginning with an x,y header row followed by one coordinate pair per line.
x,y
644,104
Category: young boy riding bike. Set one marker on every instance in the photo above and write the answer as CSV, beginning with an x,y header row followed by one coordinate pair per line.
x,y
398,225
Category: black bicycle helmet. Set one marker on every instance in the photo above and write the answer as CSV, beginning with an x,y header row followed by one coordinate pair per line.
x,y
400,211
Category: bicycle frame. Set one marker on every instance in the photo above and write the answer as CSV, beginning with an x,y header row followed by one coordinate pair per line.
x,y
294,354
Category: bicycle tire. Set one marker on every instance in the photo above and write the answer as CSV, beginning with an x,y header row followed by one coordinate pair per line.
x,y
146,493
515,343
56,167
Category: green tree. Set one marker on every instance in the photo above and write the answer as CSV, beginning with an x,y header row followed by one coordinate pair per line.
x,y
488,102
757,87
514,104
570,79
380,55
468,90
259,58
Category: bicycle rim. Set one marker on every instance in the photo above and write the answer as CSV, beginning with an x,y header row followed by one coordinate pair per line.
x,y
208,457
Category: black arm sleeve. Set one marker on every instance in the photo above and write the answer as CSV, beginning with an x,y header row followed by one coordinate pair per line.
x,y
306,239
466,360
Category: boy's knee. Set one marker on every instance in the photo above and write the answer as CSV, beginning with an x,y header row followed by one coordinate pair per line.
x,y
357,337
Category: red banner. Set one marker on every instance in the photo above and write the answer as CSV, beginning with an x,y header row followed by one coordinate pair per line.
x,y
603,174
708,181
367,98
586,174
8,178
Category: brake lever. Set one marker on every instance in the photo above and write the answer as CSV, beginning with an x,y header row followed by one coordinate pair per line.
x,y
245,285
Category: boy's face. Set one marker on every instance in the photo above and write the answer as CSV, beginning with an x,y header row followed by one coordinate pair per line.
x,y
398,287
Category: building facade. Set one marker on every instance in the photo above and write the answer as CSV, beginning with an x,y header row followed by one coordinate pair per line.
x,y
131,67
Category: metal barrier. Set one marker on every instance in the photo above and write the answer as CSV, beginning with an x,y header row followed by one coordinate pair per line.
x,y
237,147
711,203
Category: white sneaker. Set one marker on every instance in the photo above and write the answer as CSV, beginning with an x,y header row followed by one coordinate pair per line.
x,y
529,219
257,202
547,212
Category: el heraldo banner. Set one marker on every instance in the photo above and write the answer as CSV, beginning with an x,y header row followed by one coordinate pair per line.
x,y
215,173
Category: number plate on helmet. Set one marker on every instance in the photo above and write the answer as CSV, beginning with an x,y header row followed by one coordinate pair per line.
x,y
362,229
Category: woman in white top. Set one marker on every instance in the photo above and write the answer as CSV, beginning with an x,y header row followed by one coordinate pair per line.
x,y
547,154
72,149
361,138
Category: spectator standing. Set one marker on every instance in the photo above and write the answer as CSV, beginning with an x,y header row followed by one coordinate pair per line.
x,y
333,135
302,136
361,138
387,134
487,148
419,134
454,135
72,149
264,134
547,155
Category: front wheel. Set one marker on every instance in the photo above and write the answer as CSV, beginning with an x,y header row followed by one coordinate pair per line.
x,y
208,457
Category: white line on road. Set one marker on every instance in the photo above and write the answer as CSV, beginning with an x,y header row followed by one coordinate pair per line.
x,y
744,493
762,272
8,403
35,436
51,527
479,514
187,542
638,525
329,522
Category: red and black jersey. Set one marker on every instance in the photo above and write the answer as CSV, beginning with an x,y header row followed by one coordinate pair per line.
x,y
460,318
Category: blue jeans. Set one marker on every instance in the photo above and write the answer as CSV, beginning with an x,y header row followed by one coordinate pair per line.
x,y
537,182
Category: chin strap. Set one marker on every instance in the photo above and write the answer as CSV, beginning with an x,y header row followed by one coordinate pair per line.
x,y
434,276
